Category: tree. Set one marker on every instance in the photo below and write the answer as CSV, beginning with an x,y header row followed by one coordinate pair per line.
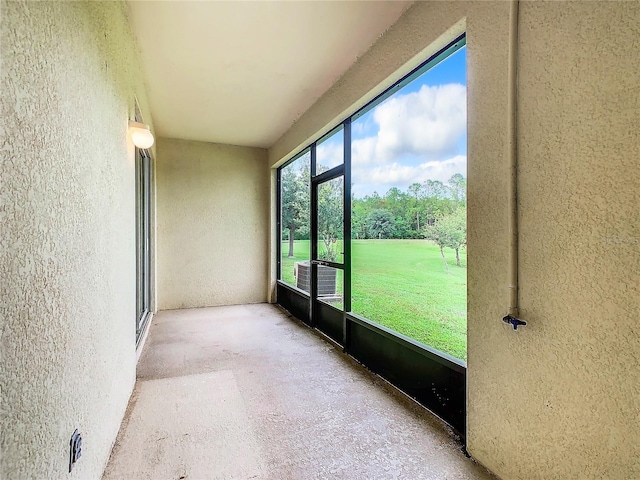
x,y
421,204
358,219
380,223
458,188
450,231
330,217
435,203
295,201
399,204
416,192
457,225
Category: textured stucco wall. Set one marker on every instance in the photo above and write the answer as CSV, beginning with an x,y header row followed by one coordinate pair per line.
x,y
213,224
559,398
67,209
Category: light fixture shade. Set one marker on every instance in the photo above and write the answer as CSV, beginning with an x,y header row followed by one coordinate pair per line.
x,y
141,135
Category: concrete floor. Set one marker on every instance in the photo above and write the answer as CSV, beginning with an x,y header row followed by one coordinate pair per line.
x,y
245,392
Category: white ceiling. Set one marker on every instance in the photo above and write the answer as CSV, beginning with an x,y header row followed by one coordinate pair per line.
x,y
242,73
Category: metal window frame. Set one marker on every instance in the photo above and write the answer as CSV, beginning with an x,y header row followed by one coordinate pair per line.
x,y
447,374
428,64
293,159
144,241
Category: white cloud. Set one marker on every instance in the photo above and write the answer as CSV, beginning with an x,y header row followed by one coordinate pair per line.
x,y
383,177
420,126
330,153
427,123
360,126
363,151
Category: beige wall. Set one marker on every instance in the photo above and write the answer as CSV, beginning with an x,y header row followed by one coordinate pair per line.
x,y
560,397
568,386
67,209
213,224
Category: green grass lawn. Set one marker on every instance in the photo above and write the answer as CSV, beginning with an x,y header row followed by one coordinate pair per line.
x,y
403,285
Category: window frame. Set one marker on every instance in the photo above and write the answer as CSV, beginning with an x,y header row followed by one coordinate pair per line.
x,y
434,378
345,167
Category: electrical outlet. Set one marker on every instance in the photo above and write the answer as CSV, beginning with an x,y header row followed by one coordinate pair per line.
x,y
75,450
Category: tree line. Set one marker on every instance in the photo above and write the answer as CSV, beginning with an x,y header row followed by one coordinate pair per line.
x,y
431,209
405,214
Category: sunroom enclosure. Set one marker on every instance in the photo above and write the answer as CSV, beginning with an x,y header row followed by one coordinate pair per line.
x,y
325,238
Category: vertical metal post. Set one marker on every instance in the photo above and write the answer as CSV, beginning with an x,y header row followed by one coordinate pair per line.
x,y
313,282
346,334
279,223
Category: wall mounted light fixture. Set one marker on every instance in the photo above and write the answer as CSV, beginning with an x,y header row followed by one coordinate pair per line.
x,y
141,135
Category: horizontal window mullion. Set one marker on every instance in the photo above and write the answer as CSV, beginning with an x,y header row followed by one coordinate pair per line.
x,y
335,172
326,263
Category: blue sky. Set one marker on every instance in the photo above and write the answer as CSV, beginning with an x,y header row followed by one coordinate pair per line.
x,y
419,133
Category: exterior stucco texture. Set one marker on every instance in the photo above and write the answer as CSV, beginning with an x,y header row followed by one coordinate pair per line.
x,y
67,209
213,224
559,398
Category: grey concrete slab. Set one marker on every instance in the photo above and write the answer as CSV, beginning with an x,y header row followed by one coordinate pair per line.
x,y
247,392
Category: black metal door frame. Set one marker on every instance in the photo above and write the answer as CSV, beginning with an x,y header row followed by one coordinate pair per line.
x,y
316,181
433,378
